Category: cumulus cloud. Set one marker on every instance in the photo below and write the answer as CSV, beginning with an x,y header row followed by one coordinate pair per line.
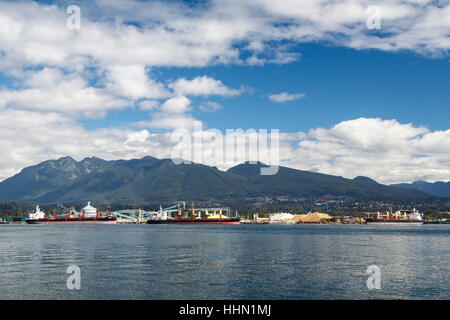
x,y
132,81
172,114
384,150
202,86
174,34
210,106
51,90
176,105
284,96
148,104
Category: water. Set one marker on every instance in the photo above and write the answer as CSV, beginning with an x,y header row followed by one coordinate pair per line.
x,y
224,262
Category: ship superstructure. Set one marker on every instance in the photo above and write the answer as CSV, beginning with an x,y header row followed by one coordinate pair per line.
x,y
37,214
403,216
183,215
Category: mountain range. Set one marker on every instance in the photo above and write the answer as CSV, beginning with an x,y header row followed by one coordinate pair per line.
x,y
438,189
151,180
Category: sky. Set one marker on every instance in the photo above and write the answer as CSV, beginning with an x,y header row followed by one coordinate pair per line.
x,y
354,87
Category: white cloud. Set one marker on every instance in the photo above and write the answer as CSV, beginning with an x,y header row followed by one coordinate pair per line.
x,y
384,150
210,106
202,86
284,96
50,90
172,114
148,104
172,34
176,105
132,81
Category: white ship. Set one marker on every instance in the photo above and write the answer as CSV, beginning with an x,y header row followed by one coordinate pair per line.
x,y
38,214
398,217
89,211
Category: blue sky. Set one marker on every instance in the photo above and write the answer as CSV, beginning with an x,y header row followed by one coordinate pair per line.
x,y
355,88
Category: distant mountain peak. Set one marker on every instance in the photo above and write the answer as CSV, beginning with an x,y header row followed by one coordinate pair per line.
x,y
64,163
91,158
420,182
67,163
248,168
364,178
438,189
66,159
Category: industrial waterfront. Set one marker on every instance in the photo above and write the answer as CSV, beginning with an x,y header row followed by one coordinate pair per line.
x,y
181,214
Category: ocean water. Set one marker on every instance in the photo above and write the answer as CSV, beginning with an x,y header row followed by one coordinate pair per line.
x,y
224,262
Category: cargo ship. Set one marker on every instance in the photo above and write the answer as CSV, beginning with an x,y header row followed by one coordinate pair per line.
x,y
400,217
194,216
63,215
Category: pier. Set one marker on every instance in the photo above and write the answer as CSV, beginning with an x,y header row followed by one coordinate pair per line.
x,y
139,216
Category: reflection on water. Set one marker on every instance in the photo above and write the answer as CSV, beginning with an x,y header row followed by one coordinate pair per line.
x,y
224,262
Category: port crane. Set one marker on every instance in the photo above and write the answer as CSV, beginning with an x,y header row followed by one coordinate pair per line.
x,y
139,215
323,204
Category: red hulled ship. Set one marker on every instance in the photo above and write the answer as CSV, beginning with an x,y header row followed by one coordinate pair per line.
x,y
63,215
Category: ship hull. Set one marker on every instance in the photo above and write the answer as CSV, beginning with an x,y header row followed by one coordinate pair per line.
x,y
59,221
394,222
196,221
